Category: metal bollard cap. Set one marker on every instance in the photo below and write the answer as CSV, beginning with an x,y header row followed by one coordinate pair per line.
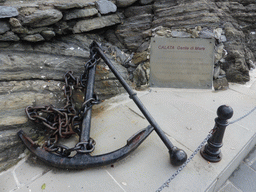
x,y
225,112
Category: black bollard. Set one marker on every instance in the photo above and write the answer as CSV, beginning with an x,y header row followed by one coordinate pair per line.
x,y
211,151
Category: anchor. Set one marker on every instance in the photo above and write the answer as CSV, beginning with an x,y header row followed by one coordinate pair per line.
x,y
59,155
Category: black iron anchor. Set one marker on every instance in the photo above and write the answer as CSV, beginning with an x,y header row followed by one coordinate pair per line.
x,y
82,159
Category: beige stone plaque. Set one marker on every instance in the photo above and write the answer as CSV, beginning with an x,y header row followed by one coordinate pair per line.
x,y
181,62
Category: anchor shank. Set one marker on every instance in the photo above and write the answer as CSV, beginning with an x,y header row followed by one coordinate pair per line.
x,y
86,124
137,101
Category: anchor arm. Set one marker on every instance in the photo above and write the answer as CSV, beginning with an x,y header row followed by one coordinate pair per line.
x,y
86,123
178,156
82,161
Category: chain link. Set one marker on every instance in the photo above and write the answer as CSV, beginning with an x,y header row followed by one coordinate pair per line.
x,y
66,121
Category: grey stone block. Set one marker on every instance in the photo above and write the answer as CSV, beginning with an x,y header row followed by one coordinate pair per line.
x,y
244,178
105,6
229,187
4,26
7,181
254,166
7,12
251,158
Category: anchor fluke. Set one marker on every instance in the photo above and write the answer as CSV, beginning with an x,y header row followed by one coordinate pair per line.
x,y
82,161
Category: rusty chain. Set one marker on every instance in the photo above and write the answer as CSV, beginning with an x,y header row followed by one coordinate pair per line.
x,y
66,121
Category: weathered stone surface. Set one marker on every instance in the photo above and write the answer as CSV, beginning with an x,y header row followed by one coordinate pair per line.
x,y
238,74
14,22
220,84
164,4
42,18
181,34
249,57
48,34
80,13
236,68
118,55
36,66
141,75
124,3
96,23
51,67
9,36
105,7
187,15
219,52
245,16
71,5
113,39
21,30
144,46
145,2
63,27
33,38
232,33
130,31
4,26
140,57
251,39
30,31
7,12
138,10
206,34
11,148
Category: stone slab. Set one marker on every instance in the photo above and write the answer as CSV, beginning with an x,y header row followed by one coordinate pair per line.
x,y
254,166
244,178
186,116
225,174
181,62
7,181
229,187
251,158
69,181
96,23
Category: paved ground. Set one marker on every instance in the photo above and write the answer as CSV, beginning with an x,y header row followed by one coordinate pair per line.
x,y
185,115
244,177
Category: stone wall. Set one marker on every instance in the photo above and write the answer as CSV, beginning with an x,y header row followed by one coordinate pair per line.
x,y
235,18
41,40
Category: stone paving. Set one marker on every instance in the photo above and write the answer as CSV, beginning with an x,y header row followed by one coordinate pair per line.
x,y
244,177
186,116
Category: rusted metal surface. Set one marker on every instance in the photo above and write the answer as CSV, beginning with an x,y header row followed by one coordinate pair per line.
x,y
63,122
81,160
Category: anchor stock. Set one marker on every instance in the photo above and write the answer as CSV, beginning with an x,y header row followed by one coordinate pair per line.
x,y
59,156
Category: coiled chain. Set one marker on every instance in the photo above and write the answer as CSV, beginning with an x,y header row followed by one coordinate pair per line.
x,y
66,121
